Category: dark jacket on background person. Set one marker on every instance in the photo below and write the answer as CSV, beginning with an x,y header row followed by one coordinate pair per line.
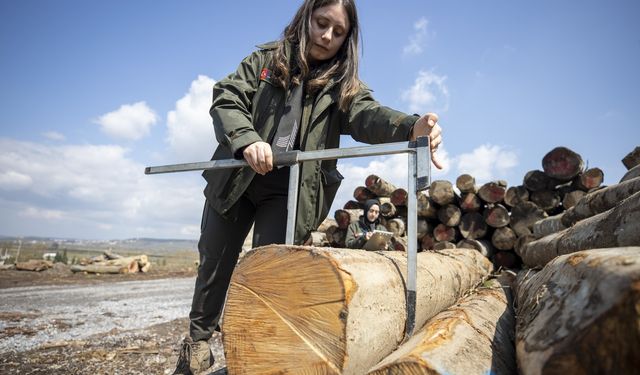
x,y
357,230
247,107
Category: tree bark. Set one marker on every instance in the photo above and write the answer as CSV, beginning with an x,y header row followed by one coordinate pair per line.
x,y
36,265
336,236
492,192
319,239
326,224
293,309
620,226
484,247
631,174
481,324
570,199
472,226
441,192
504,238
562,164
399,244
470,202
424,227
496,215
632,159
516,195
427,242
466,183
388,210
379,186
351,205
600,201
523,216
449,215
579,315
549,225
444,245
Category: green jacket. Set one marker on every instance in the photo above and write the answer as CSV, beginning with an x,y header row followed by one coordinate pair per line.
x,y
247,107
355,238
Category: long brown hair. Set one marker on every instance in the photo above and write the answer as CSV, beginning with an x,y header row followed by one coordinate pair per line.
x,y
343,66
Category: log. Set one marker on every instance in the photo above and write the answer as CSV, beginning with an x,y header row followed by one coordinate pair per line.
x,y
570,199
579,315
523,216
444,245
549,225
426,207
505,259
472,226
484,247
350,205
97,268
492,192
631,174
548,200
441,192
111,255
36,265
537,180
504,238
589,179
336,236
444,233
600,201
620,226
470,202
326,224
427,242
523,240
424,227
378,186
362,194
399,197
472,337
449,215
293,309
343,219
466,183
516,195
496,216
397,226
399,243
319,239
388,210
562,164
632,159
146,267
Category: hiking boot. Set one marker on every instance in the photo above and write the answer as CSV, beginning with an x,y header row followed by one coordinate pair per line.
x,y
194,357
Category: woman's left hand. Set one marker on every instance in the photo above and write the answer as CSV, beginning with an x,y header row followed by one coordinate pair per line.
x,y
427,125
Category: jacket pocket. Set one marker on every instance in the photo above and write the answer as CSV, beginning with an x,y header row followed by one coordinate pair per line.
x,y
331,180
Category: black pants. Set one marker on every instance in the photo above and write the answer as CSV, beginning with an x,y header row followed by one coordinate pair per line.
x,y
221,239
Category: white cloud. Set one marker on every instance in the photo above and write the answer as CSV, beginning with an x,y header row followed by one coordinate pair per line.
x,y
92,189
429,93
54,136
487,162
417,41
190,132
12,180
130,121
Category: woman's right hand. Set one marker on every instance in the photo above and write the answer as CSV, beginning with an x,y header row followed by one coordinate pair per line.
x,y
259,156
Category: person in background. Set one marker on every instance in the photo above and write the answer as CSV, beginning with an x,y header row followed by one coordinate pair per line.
x,y
298,93
359,232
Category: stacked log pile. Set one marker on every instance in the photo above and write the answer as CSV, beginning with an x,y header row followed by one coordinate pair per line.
x,y
109,262
493,218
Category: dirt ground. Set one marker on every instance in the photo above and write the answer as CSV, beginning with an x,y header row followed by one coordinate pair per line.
x,y
150,350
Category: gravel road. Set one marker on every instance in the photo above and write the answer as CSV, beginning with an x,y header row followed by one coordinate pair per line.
x,y
31,316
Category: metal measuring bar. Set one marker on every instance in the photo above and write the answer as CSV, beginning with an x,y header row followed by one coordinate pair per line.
x,y
419,176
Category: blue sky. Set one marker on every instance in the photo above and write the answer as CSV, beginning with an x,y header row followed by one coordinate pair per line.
x,y
92,92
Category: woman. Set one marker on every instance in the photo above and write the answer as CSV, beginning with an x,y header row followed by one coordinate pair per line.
x,y
300,92
359,232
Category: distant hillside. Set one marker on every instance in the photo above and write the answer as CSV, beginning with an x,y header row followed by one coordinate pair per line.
x,y
146,245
